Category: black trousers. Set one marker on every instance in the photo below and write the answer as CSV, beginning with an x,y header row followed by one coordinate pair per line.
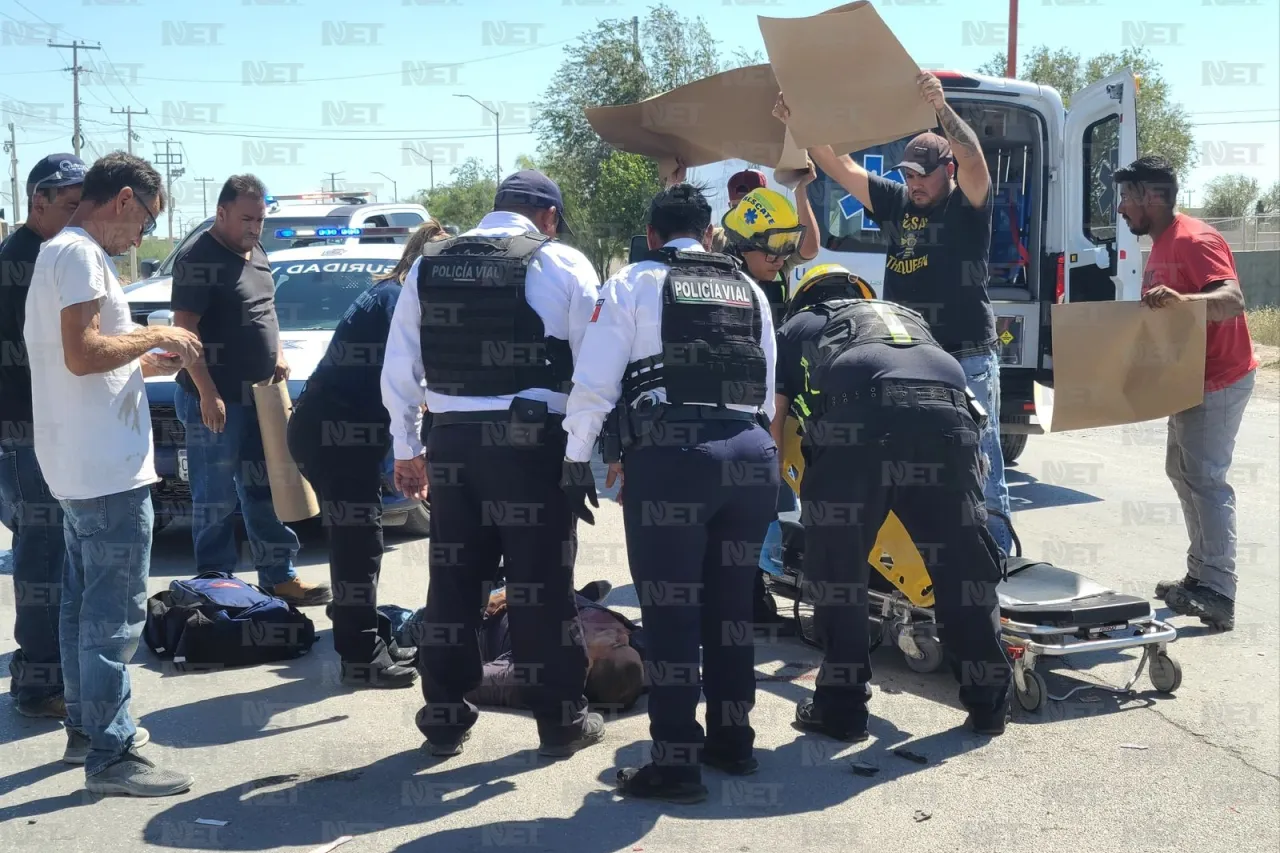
x,y
913,451
697,502
495,495
342,456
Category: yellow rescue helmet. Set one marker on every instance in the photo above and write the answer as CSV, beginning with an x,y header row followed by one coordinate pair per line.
x,y
764,221
828,281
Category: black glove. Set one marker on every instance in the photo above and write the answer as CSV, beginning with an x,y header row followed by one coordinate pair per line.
x,y
579,484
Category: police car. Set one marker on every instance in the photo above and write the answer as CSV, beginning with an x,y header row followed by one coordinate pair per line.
x,y
315,284
1054,225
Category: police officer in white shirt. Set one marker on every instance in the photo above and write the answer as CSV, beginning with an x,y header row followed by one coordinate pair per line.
x,y
485,334
679,359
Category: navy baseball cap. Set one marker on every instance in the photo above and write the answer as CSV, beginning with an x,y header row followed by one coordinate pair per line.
x,y
532,188
56,170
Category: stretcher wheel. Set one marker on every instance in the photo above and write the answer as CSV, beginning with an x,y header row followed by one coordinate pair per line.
x,y
1032,699
1165,672
930,654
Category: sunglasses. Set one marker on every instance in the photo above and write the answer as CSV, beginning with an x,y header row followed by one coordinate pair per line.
x,y
149,226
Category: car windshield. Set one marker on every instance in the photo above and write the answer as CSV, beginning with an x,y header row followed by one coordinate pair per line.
x,y
312,295
270,242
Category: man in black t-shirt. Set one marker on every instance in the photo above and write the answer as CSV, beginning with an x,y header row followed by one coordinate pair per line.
x,y
939,229
223,291
886,427
27,507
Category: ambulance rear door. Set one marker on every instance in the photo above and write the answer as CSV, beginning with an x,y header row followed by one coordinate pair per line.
x,y
1102,260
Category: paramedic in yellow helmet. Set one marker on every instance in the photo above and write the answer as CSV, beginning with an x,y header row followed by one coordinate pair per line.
x,y
887,425
772,272
764,232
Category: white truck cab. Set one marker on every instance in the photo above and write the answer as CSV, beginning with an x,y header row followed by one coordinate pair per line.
x,y
1056,236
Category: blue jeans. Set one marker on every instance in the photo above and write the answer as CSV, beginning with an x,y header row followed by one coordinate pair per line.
x,y
982,374
39,557
225,467
104,605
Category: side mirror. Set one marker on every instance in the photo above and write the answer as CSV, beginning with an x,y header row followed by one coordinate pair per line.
x,y
162,317
148,267
639,249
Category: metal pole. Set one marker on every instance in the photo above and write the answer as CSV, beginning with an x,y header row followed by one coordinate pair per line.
x,y
1011,62
75,69
129,113
395,188
433,174
497,147
12,147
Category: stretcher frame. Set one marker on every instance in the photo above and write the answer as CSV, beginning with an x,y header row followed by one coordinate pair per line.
x,y
913,630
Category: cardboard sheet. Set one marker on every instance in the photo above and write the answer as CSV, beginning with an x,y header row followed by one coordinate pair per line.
x,y
849,82
1123,363
291,494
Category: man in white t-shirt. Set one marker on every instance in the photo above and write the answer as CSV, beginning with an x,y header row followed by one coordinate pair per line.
x,y
93,442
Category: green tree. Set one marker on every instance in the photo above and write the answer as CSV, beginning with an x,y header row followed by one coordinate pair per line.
x,y
1229,196
465,199
606,191
1270,200
1164,127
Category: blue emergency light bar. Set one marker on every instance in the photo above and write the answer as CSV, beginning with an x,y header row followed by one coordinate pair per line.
x,y
289,233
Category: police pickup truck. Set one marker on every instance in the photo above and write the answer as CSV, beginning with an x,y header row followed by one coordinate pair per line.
x,y
314,287
1055,236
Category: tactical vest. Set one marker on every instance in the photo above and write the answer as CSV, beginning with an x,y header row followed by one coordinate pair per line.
x,y
711,332
479,336
851,323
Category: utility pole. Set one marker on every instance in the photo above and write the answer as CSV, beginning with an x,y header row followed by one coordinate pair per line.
x,y
76,46
1011,60
333,181
204,193
11,147
129,113
395,191
170,160
497,134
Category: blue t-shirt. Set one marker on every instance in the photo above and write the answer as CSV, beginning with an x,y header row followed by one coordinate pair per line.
x,y
348,378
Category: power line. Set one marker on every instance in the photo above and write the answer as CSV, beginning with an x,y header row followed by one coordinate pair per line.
x,y
1251,121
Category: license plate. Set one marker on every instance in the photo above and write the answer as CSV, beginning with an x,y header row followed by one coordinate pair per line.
x,y
182,465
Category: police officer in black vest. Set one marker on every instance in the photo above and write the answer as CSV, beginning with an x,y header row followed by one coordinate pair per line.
x,y
887,426
485,334
679,360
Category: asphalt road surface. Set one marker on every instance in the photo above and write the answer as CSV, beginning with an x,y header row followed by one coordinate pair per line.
x,y
290,760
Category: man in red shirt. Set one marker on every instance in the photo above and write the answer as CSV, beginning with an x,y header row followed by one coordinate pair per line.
x,y
1189,262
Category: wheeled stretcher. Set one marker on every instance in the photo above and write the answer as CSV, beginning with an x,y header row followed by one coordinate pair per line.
x,y
1044,611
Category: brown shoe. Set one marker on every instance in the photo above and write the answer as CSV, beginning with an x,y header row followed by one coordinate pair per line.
x,y
299,593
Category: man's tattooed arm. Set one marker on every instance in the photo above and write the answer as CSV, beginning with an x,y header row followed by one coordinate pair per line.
x,y
971,166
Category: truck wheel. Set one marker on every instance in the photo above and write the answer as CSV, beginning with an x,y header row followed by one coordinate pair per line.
x,y
418,522
1011,446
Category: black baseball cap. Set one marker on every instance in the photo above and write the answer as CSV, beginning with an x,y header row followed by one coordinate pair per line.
x,y
925,153
56,170
532,188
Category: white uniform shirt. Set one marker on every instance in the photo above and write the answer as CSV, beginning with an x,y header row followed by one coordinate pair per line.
x,y
561,286
92,433
628,327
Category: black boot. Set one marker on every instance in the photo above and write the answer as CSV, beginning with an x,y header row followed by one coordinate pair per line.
x,y
362,675
810,719
647,783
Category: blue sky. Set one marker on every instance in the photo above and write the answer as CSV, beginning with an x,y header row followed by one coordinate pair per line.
x,y
293,89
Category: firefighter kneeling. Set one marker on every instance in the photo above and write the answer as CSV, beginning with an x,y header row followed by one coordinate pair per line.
x,y
886,426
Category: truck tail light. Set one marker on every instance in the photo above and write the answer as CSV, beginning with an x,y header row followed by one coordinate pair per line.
x,y
1060,288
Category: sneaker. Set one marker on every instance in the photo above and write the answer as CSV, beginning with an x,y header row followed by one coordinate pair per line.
x,y
808,718
77,750
445,750
371,675
725,763
591,734
1163,587
137,777
646,783
1212,608
48,707
299,593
